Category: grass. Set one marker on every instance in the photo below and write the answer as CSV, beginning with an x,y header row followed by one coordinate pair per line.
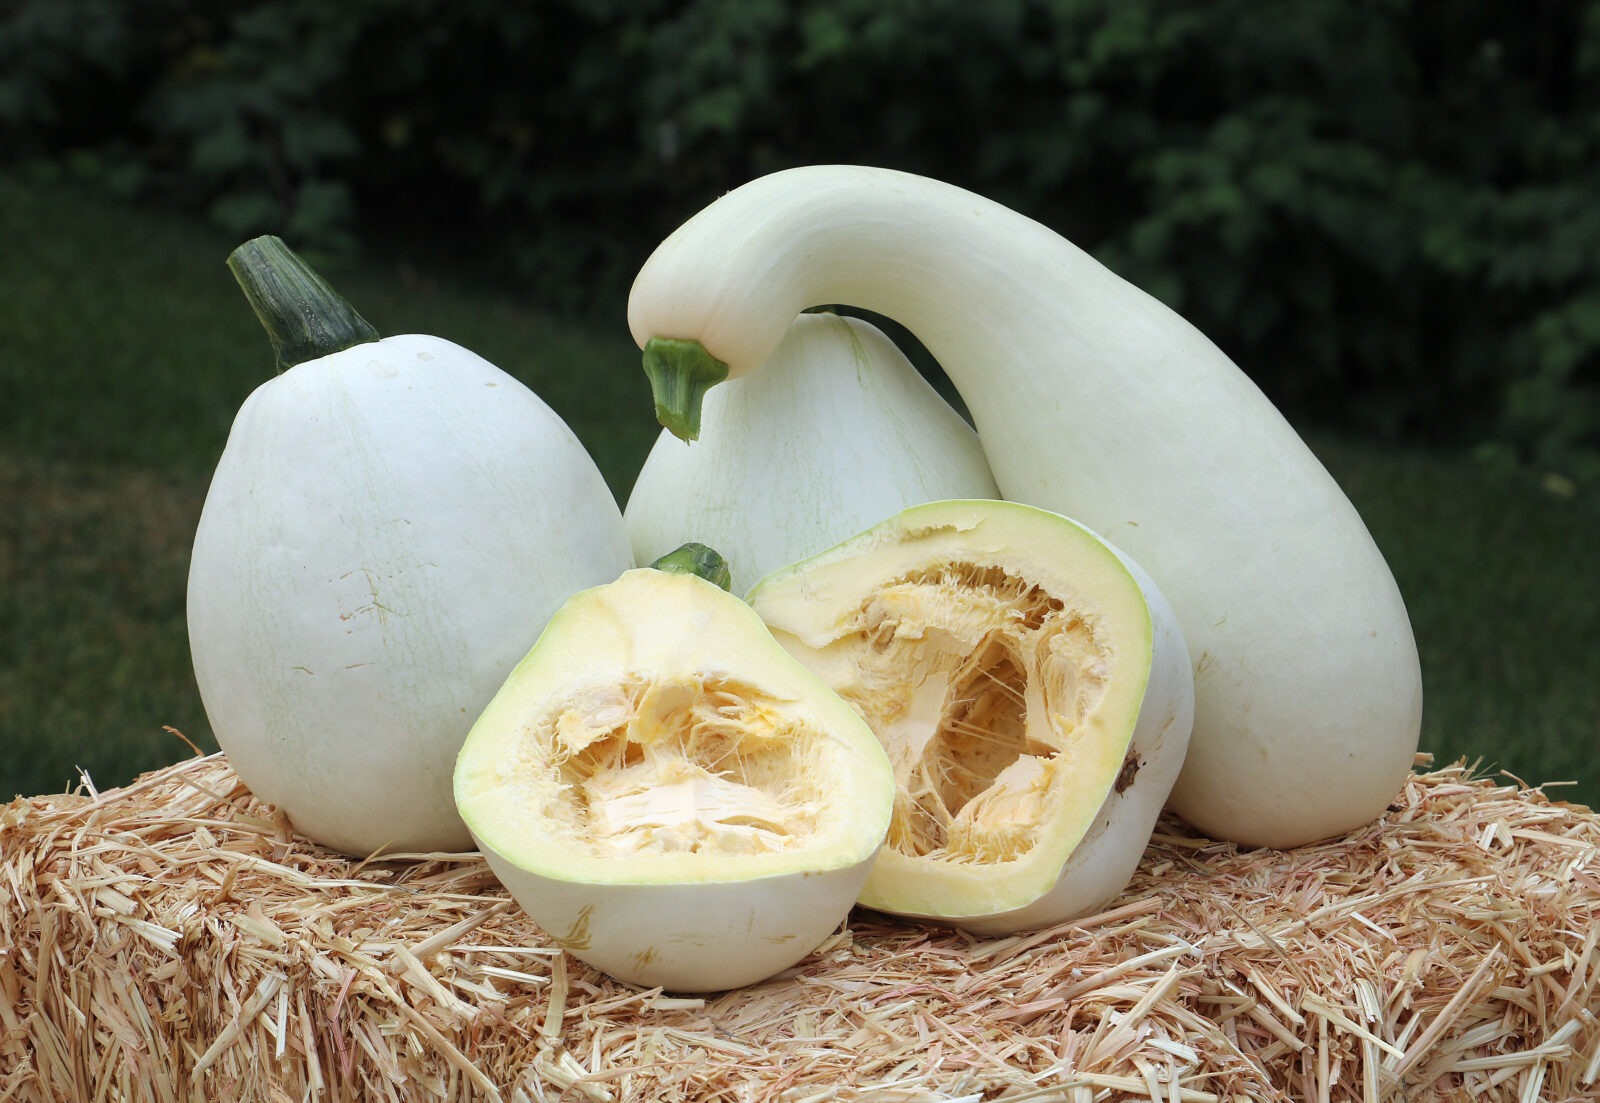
x,y
1502,582
125,350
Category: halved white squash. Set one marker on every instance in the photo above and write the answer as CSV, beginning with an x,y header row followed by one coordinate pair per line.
x,y
836,432
1031,687
669,794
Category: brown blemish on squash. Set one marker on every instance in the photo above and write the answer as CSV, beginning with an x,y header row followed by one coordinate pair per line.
x,y
576,940
1125,776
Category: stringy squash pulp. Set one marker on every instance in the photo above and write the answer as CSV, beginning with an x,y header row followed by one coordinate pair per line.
x,y
952,665
679,765
1032,693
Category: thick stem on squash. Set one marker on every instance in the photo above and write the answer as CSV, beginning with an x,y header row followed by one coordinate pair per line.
x,y
304,317
698,560
681,372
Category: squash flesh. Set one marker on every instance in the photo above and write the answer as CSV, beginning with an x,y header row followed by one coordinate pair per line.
x,y
976,681
674,765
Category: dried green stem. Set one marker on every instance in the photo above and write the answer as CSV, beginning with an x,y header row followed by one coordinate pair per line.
x,y
304,317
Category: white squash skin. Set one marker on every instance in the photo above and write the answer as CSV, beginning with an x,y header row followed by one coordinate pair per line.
x,y
386,533
1094,400
835,433
704,936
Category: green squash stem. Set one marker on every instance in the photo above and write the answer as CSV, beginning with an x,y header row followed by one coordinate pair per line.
x,y
304,317
698,560
681,372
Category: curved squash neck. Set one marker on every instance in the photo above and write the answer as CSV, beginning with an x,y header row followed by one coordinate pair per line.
x,y
987,290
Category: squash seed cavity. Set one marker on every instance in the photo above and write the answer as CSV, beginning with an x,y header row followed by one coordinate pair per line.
x,y
978,683
681,765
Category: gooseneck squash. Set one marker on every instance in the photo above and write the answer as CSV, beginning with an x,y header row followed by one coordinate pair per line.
x,y
758,485
1031,687
672,797
390,525
1094,400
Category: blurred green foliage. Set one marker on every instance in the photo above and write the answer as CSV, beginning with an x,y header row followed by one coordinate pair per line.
x,y
1384,211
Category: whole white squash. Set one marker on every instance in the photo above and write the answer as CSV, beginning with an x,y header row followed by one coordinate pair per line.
x,y
387,531
1094,400
836,432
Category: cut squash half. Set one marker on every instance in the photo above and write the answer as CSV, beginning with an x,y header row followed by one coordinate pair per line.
x,y
1031,688
668,793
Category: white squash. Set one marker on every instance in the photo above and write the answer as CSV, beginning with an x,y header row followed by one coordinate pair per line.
x,y
387,531
836,432
1032,689
1094,400
668,794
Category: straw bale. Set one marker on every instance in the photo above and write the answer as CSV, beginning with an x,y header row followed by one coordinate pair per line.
x,y
174,940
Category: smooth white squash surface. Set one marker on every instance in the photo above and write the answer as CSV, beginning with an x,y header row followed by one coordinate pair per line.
x,y
387,532
836,432
1094,400
1031,687
668,793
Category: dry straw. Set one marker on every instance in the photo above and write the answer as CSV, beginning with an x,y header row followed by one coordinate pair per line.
x,y
173,940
